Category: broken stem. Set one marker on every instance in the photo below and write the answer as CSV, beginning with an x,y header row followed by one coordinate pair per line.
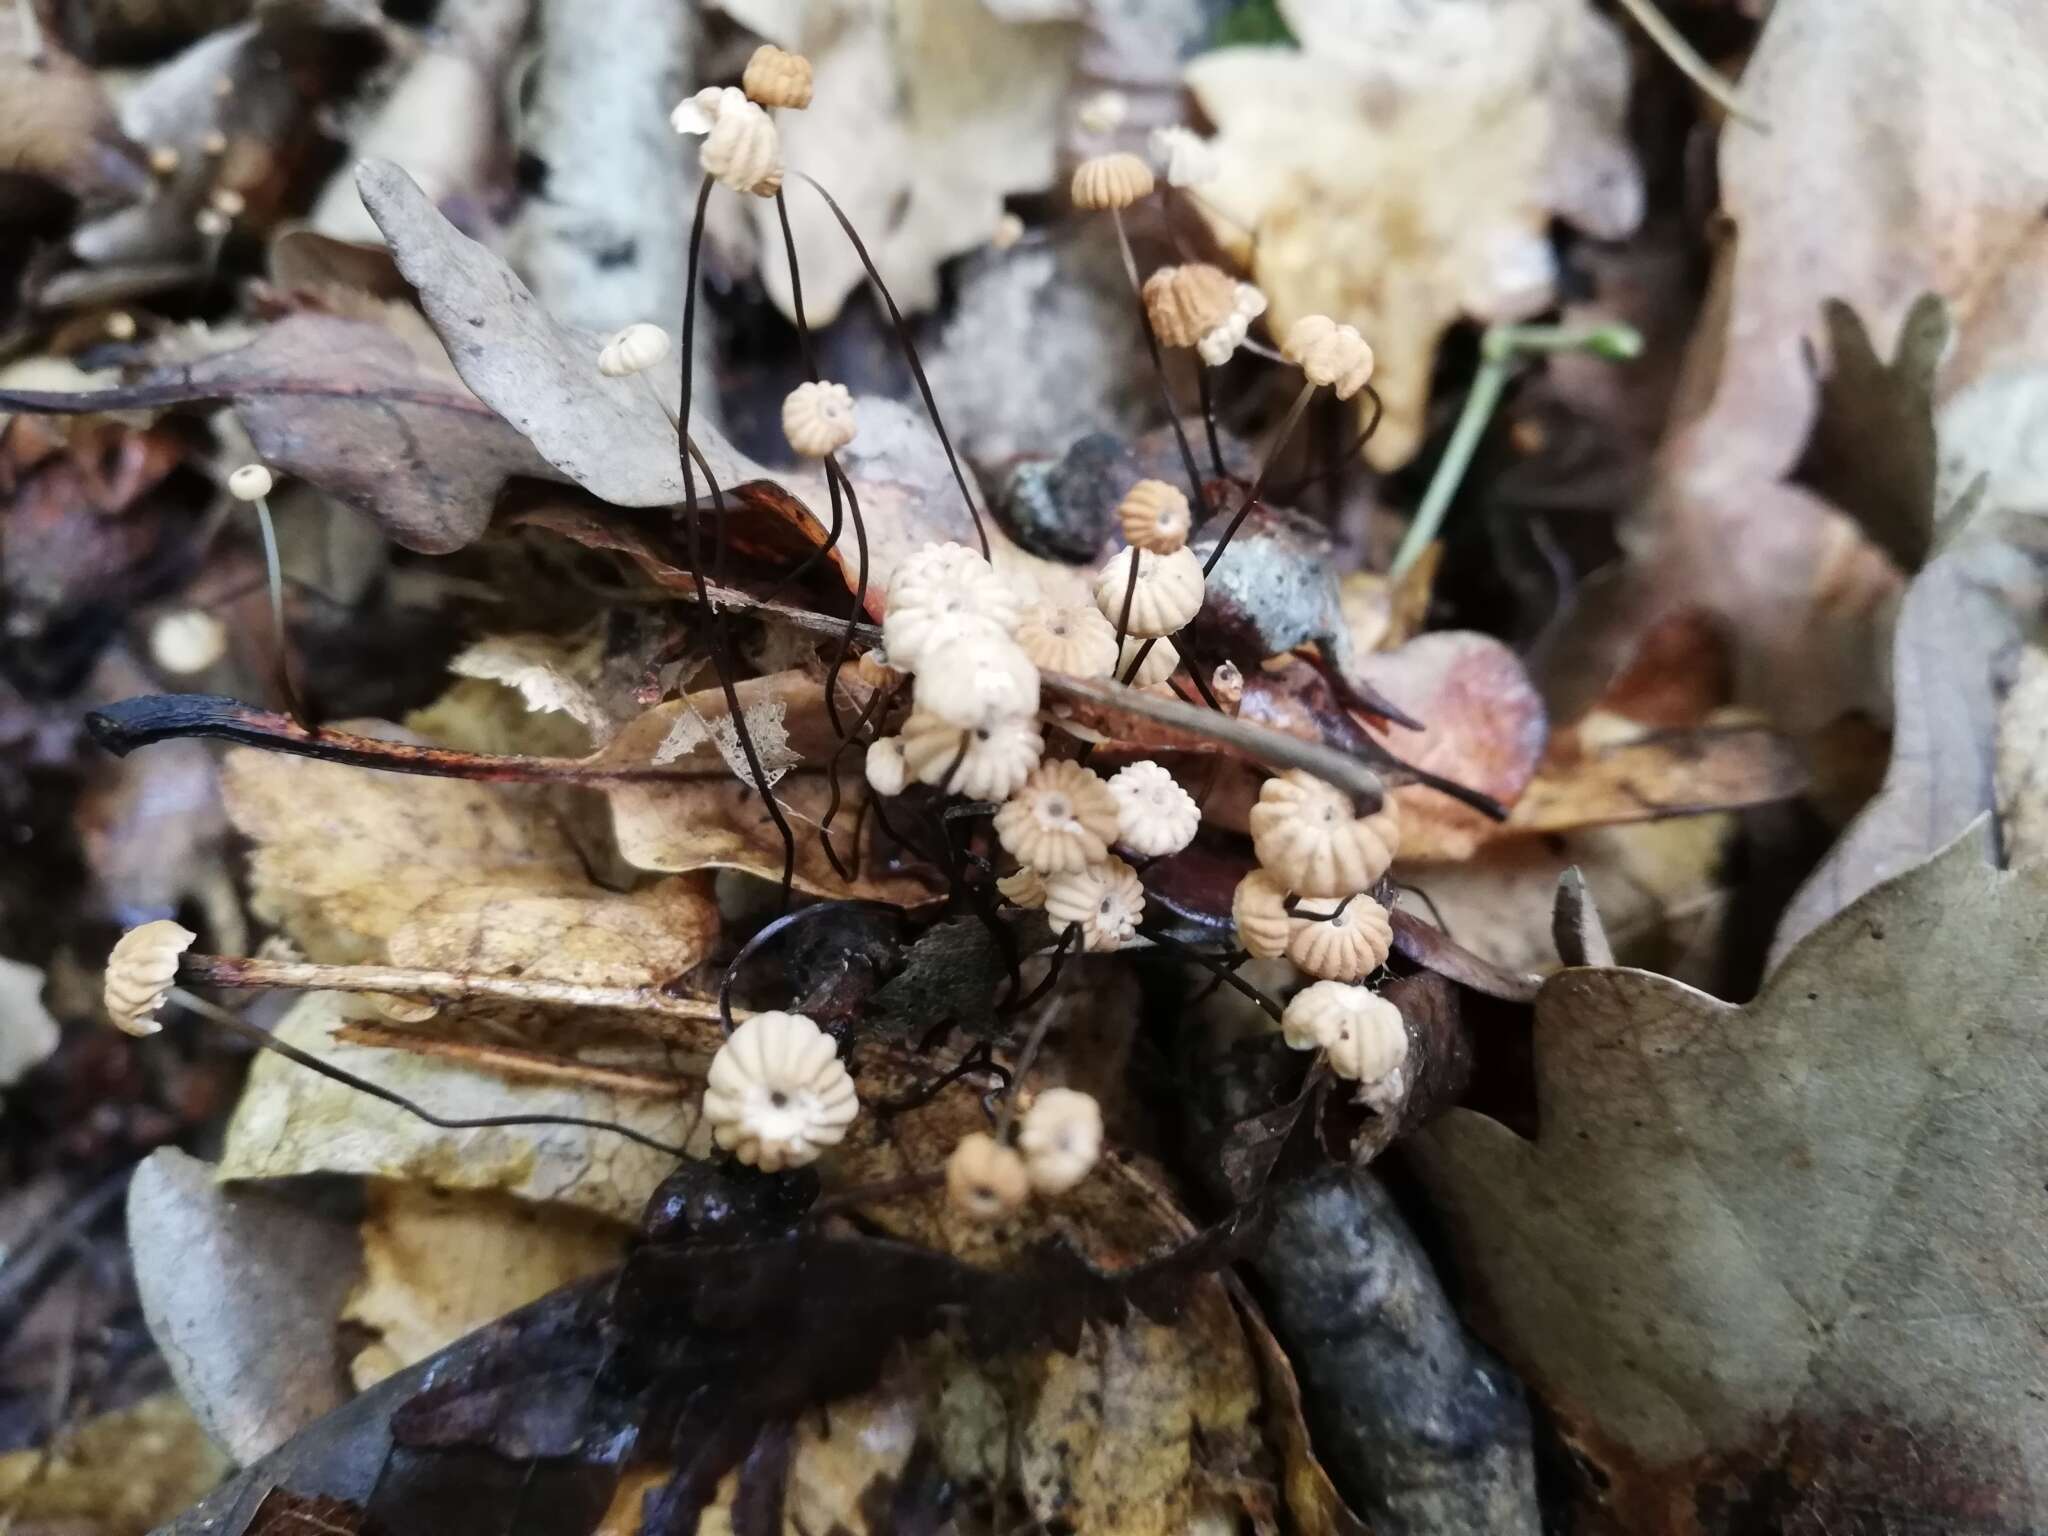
x,y
1499,350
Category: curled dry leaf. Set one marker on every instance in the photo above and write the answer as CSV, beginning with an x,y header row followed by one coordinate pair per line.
x,y
361,867
1400,168
292,1121
1664,773
57,123
1792,1240
347,406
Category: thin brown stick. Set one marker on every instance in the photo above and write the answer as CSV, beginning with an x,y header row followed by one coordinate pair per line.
x,y
512,1061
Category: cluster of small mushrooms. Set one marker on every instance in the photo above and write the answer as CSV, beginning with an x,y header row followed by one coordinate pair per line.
x,y
973,648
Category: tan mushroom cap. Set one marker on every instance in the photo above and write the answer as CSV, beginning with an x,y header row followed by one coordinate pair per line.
x,y
775,77
1307,834
983,762
1106,901
1075,640
817,418
1187,302
1167,595
1062,819
1258,908
1347,946
1329,353
1111,181
141,972
985,1179
1061,1139
1154,517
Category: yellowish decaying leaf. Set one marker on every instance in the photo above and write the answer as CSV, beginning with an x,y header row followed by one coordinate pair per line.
x,y
362,867
117,1475
292,1121
437,1264
926,115
541,672
1400,169
1802,1233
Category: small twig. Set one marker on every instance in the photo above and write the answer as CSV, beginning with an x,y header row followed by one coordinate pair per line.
x,y
248,973
1674,47
510,1060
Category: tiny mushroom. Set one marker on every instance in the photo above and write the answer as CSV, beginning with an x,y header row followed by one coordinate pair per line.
x,y
740,146
939,593
141,972
1154,517
985,1179
817,418
1305,831
252,482
1111,181
982,762
1077,641
775,77
1061,1139
985,677
1105,900
1346,945
633,350
884,767
1258,907
1185,303
1167,594
778,1094
1363,1033
1161,661
1025,888
1329,353
1155,816
1060,821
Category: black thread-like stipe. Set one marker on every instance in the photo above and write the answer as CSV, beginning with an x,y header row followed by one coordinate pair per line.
x,y
924,387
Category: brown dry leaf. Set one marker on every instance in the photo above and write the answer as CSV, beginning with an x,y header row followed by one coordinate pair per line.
x,y
1788,1252
1657,886
1663,773
1401,168
348,406
57,123
1484,728
292,1121
438,1264
1900,163
926,115
362,867
115,1475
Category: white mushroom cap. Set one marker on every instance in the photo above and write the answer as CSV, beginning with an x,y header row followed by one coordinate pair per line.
x,y
252,482
817,418
1329,353
884,767
982,678
1306,832
778,1094
1155,816
1161,662
633,350
938,594
1189,159
141,972
1106,900
1076,640
740,145
1259,909
1061,1139
983,762
1346,946
1363,1032
1168,593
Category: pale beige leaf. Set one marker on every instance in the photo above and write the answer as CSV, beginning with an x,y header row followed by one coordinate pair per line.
x,y
438,1264
293,1121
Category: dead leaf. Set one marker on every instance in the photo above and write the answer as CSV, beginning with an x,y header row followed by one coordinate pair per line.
x,y
1960,615
240,1288
119,1474
448,874
57,123
1873,208
1484,728
610,436
1872,452
347,406
1664,773
537,668
1789,1245
926,115
437,1264
292,1121
1428,149
2020,760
